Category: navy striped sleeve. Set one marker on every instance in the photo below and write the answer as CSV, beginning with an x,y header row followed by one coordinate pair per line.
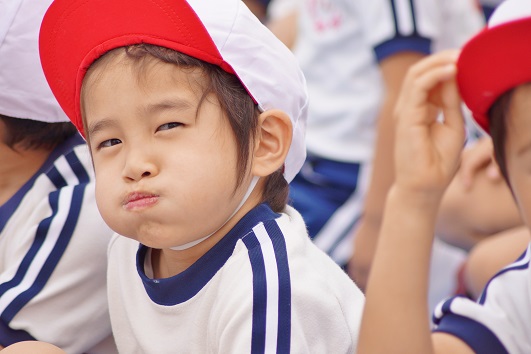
x,y
47,268
51,239
284,288
403,41
9,336
259,293
477,336
521,263
478,323
268,256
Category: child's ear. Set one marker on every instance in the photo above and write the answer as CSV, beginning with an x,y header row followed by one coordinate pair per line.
x,y
272,142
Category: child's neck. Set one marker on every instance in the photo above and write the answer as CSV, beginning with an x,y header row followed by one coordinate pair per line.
x,y
168,263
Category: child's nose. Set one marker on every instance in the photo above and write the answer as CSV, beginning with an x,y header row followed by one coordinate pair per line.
x,y
139,164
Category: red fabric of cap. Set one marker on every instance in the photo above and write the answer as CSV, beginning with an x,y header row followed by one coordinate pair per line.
x,y
75,33
493,62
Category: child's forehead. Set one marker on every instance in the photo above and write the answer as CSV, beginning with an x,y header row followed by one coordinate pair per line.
x,y
143,67
118,89
520,104
515,106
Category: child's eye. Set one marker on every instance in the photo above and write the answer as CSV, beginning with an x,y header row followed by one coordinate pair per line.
x,y
168,126
109,143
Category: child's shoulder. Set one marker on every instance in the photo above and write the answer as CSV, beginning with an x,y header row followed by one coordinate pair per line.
x,y
280,249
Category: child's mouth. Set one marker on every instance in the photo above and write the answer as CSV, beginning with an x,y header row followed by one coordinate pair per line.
x,y
139,200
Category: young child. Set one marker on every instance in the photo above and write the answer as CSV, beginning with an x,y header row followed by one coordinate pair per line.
x,y
195,115
53,242
493,76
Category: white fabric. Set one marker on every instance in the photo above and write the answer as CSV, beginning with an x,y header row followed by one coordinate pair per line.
x,y
510,11
71,309
504,308
24,92
7,15
265,66
336,50
325,304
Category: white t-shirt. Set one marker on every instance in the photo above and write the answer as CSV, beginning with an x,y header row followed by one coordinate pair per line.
x,y
339,46
499,321
53,258
265,287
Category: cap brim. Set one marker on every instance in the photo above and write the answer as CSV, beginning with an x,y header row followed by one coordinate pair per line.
x,y
493,62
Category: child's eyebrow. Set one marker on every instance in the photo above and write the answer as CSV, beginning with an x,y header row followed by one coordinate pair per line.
x,y
152,108
99,126
173,103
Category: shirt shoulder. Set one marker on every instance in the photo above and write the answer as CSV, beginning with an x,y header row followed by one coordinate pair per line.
x,y
498,321
421,26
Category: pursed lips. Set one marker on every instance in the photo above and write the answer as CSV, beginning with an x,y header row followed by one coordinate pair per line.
x,y
139,200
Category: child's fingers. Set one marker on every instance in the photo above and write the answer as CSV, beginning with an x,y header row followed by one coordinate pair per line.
x,y
451,104
440,59
431,79
444,59
416,92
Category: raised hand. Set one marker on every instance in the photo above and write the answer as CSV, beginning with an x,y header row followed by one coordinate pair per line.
x,y
428,148
427,153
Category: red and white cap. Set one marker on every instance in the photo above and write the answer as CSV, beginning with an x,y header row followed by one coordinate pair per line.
x,y
497,59
74,33
24,92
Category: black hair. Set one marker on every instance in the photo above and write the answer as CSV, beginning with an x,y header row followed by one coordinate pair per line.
x,y
32,134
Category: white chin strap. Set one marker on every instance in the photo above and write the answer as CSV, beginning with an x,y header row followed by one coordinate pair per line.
x,y
250,189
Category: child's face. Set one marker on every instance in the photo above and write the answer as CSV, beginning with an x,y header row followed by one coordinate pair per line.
x,y
165,171
518,149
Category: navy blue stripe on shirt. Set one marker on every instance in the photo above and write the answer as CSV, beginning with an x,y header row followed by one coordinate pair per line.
x,y
328,183
401,42
77,167
395,17
284,286
74,209
42,231
477,336
56,178
184,286
256,258
266,274
10,336
413,17
515,267
8,209
487,11
398,44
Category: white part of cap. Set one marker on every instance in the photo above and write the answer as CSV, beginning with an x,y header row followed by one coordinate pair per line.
x,y
270,73
510,10
24,92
